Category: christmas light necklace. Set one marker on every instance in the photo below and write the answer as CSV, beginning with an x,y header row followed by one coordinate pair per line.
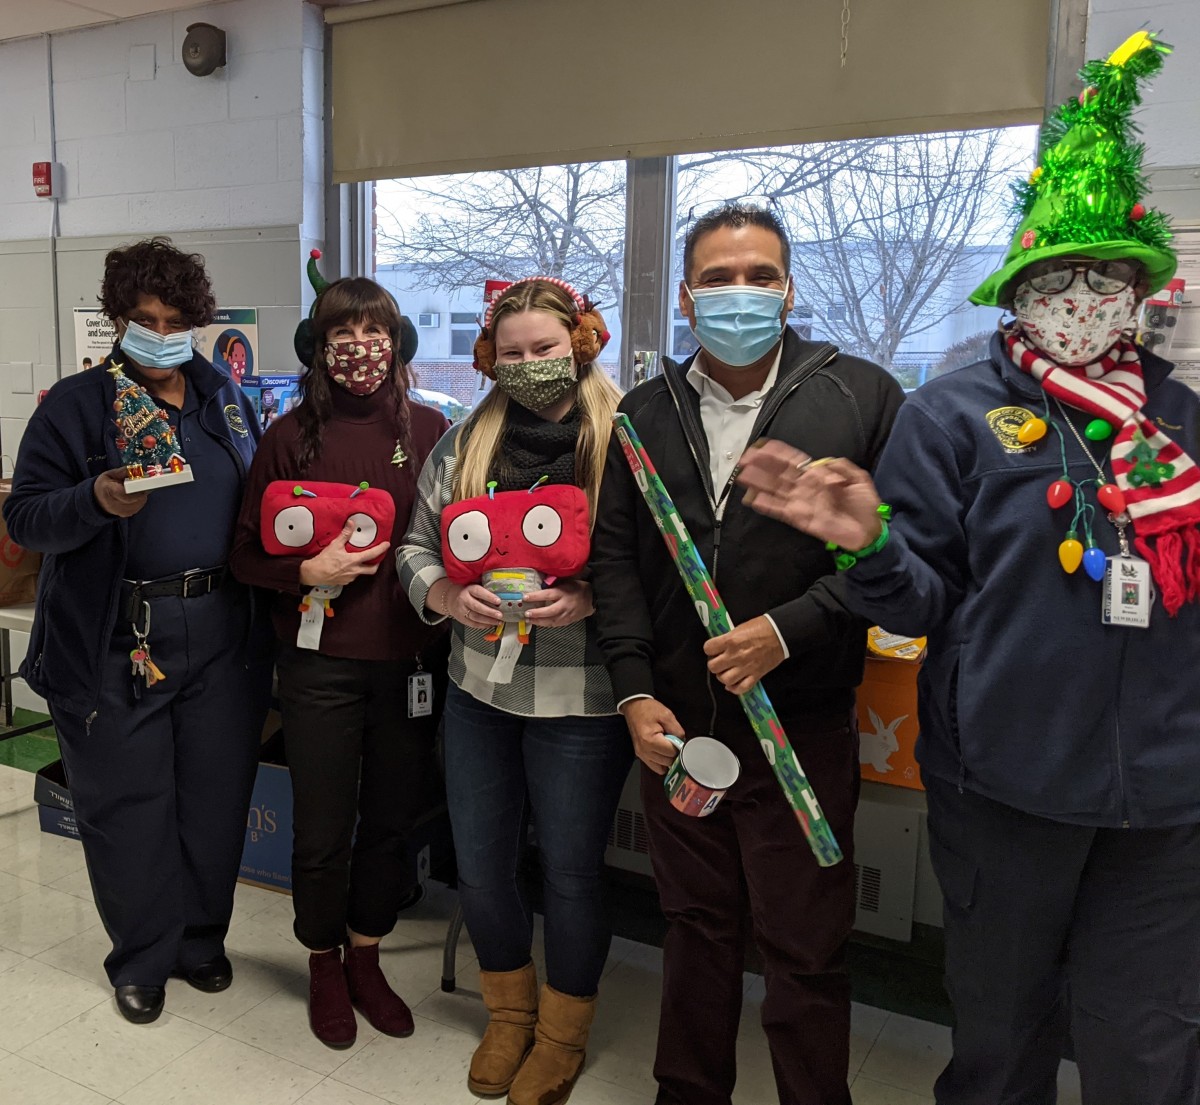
x,y
1072,552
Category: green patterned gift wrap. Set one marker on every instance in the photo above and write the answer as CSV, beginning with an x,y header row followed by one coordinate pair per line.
x,y
773,740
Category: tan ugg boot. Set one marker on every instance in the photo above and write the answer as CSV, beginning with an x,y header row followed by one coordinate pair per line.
x,y
548,1075
511,998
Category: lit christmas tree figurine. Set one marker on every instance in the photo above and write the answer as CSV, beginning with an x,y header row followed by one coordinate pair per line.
x,y
145,439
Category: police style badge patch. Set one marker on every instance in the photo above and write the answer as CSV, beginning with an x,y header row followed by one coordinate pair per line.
x,y
1004,422
233,415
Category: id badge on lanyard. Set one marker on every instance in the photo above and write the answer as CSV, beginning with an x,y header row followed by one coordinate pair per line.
x,y
1128,587
420,692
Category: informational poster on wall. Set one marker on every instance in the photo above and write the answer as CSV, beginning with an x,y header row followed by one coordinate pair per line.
x,y
231,341
94,337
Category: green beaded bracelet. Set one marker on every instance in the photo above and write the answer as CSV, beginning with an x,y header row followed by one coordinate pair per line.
x,y
847,559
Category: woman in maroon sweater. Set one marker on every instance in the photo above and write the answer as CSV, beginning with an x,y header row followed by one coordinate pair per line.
x,y
355,754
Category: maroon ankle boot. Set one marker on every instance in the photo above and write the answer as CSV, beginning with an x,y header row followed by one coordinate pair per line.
x,y
372,995
329,1010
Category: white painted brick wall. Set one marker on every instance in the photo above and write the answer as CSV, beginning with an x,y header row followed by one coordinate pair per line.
x,y
230,164
174,152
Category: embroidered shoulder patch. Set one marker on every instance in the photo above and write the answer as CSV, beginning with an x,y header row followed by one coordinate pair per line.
x,y
1004,422
233,415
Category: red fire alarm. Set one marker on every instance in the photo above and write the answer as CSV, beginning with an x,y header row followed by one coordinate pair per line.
x,y
45,178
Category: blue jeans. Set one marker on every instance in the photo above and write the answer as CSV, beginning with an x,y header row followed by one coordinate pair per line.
x,y
567,772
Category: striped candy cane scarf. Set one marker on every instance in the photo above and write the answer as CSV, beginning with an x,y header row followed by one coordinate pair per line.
x,y
1161,483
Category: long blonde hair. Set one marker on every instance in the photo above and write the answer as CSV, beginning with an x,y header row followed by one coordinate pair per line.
x,y
481,436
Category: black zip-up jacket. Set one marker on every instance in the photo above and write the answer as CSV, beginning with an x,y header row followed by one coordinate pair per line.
x,y
70,441
822,402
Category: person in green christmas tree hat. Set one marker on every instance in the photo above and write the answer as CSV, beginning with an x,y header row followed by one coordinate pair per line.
x,y
1037,515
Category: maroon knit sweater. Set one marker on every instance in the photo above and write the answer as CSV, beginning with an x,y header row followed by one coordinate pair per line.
x,y
373,618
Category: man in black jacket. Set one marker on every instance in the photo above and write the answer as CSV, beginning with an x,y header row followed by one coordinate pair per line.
x,y
752,377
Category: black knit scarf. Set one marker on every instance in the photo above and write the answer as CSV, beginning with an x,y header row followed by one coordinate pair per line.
x,y
533,448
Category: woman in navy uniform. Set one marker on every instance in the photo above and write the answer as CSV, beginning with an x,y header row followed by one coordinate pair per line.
x,y
160,773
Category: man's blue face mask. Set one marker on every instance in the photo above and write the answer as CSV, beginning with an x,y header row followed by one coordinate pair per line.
x,y
739,323
152,350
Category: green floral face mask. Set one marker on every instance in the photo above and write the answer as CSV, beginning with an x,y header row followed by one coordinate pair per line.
x,y
537,384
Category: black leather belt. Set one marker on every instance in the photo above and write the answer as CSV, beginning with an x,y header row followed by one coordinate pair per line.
x,y
186,585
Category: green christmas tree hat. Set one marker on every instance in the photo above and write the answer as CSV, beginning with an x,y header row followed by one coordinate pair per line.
x,y
1085,198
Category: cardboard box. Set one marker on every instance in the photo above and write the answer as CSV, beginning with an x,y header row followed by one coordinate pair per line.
x,y
887,722
267,852
56,820
50,787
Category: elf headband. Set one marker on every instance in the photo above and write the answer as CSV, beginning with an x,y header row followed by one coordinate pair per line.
x,y
304,341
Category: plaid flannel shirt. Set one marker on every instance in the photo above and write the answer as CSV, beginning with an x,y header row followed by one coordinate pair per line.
x,y
560,673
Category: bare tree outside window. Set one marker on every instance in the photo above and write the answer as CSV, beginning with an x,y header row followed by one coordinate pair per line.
x,y
563,220
888,235
886,246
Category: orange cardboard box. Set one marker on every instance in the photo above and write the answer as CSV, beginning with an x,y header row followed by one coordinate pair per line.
x,y
887,718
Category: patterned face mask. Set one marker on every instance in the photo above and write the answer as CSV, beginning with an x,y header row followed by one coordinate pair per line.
x,y
359,366
537,384
1077,326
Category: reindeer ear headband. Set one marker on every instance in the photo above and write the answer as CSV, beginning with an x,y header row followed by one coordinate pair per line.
x,y
589,335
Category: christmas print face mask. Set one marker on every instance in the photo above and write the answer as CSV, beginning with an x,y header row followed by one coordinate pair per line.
x,y
1077,326
359,366
537,384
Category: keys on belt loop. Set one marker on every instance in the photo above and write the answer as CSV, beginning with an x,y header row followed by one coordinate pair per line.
x,y
145,671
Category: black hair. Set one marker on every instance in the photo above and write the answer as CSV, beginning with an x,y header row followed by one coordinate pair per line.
x,y
735,216
155,267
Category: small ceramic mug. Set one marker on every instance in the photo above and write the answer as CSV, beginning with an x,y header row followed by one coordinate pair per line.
x,y
701,774
511,585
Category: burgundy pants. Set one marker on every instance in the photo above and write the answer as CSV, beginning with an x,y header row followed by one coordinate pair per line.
x,y
748,862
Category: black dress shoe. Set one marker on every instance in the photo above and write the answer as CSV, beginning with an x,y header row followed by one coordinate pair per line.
x,y
211,977
140,1004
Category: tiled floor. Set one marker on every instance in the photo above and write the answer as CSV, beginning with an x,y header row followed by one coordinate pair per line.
x,y
63,1043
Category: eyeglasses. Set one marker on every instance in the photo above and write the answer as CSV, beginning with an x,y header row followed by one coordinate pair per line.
x,y
1103,277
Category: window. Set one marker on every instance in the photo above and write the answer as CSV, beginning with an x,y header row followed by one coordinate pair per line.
x,y
889,236
441,238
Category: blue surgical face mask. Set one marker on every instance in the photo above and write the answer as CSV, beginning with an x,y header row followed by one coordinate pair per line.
x,y
152,350
738,324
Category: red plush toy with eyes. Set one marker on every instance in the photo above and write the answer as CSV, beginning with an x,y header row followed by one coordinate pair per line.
x,y
300,519
516,542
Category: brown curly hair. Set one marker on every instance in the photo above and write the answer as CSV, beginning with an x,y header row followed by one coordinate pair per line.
x,y
156,267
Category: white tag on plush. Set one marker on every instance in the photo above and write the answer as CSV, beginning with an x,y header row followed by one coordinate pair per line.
x,y
312,620
506,658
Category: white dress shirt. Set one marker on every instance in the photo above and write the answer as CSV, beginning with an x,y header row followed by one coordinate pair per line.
x,y
727,422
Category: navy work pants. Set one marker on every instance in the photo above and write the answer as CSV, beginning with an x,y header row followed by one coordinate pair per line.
x,y
161,783
1051,927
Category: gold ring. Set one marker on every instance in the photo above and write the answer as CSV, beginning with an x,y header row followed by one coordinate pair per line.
x,y
813,462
